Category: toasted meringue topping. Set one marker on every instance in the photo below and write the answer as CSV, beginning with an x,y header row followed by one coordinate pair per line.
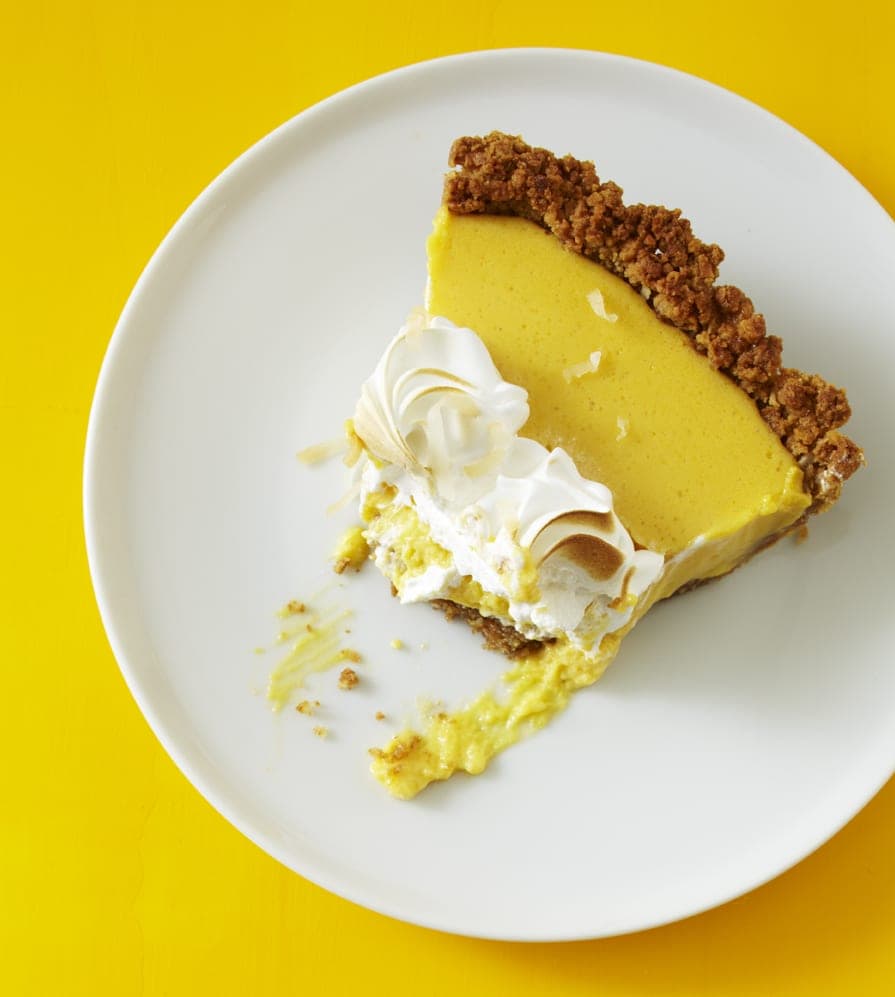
x,y
437,404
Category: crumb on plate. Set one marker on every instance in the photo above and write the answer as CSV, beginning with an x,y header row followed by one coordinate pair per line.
x,y
348,678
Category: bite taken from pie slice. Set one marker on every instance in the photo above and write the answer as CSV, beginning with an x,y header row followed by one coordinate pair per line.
x,y
582,422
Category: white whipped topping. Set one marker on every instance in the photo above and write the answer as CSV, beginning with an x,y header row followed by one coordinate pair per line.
x,y
442,426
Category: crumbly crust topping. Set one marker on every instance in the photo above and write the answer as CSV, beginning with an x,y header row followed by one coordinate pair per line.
x,y
653,249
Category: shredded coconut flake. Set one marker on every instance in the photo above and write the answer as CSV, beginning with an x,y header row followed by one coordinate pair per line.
x,y
322,451
595,300
622,428
349,497
355,445
588,366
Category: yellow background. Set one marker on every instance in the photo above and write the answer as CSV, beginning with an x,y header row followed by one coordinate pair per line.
x,y
115,876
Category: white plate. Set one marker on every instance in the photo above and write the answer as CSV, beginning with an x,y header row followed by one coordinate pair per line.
x,y
740,726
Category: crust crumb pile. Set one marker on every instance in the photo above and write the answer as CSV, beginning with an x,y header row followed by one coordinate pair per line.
x,y
654,250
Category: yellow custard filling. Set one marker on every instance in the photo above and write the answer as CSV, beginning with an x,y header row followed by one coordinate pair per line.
x,y
681,447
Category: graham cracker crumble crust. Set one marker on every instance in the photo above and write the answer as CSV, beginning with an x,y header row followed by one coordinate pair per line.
x,y
655,251
498,636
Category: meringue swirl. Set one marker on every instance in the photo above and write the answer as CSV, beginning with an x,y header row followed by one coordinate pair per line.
x,y
437,404
441,426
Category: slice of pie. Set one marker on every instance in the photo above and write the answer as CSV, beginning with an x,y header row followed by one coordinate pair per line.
x,y
581,423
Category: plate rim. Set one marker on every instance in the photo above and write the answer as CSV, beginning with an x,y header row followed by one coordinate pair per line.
x,y
99,572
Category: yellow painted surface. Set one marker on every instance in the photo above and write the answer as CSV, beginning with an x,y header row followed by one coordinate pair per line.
x,y
528,299
115,877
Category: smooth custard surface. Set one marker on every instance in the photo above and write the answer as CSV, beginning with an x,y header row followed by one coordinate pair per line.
x,y
683,449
